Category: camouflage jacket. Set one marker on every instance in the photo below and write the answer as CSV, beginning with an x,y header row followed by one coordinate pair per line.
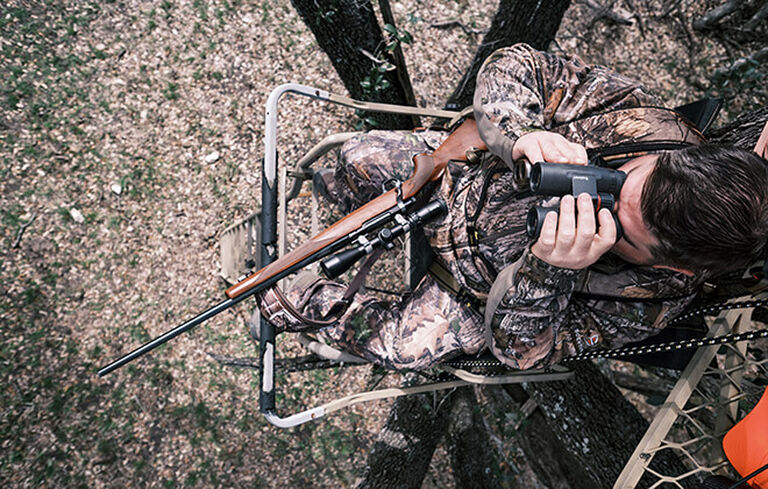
x,y
538,313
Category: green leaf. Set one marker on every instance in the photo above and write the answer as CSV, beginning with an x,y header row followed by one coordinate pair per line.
x,y
383,85
405,37
390,28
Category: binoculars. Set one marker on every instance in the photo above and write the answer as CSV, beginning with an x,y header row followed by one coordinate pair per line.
x,y
557,179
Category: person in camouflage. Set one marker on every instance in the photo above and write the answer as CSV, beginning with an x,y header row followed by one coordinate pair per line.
x,y
565,293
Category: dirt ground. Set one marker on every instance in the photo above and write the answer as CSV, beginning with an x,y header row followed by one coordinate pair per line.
x,y
131,134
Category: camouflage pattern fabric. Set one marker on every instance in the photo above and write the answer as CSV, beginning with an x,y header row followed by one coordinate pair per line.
x,y
545,312
369,160
429,327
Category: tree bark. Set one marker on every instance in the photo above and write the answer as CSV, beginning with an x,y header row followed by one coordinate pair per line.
x,y
401,455
403,451
534,22
348,32
473,458
596,424
743,132
548,458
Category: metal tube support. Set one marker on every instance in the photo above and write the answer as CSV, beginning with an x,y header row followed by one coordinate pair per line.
x,y
268,241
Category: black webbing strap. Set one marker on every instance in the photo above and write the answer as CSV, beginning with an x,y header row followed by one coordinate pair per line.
x,y
448,282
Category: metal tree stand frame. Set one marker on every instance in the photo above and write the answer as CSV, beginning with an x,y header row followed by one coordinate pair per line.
x,y
707,400
684,424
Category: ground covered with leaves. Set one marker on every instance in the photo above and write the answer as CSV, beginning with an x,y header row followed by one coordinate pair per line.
x,y
130,138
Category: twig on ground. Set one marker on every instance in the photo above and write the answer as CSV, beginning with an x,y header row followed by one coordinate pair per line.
x,y
675,5
22,227
742,64
447,24
605,12
711,18
756,19
637,17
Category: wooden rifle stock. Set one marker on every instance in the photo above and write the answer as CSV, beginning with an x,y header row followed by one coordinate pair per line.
x,y
427,168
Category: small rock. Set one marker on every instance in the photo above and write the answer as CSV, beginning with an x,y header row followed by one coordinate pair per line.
x,y
77,216
212,157
116,188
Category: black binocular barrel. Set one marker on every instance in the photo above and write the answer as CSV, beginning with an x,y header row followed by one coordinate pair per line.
x,y
557,178
535,220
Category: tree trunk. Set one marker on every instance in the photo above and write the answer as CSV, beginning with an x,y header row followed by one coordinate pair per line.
x,y
402,453
596,424
534,22
743,132
474,461
348,32
554,466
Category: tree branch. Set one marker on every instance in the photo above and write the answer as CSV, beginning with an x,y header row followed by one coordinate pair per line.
x,y
711,18
605,12
742,64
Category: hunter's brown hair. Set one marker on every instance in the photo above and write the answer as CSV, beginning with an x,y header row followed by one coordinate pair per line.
x,y
708,207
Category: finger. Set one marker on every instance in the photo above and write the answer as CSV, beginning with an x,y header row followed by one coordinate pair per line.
x,y
568,150
533,152
546,242
606,236
585,222
566,227
560,149
581,157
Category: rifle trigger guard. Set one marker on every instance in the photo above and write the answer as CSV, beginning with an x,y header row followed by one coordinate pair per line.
x,y
397,185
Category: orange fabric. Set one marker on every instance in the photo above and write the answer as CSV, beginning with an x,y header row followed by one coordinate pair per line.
x,y
746,444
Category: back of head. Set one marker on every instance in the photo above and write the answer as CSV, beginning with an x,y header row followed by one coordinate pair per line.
x,y
708,206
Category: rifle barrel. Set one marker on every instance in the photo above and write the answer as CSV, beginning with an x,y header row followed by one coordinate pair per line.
x,y
169,335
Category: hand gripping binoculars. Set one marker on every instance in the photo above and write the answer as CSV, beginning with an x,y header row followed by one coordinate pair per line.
x,y
558,179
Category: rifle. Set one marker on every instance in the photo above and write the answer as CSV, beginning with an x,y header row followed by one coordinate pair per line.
x,y
428,168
